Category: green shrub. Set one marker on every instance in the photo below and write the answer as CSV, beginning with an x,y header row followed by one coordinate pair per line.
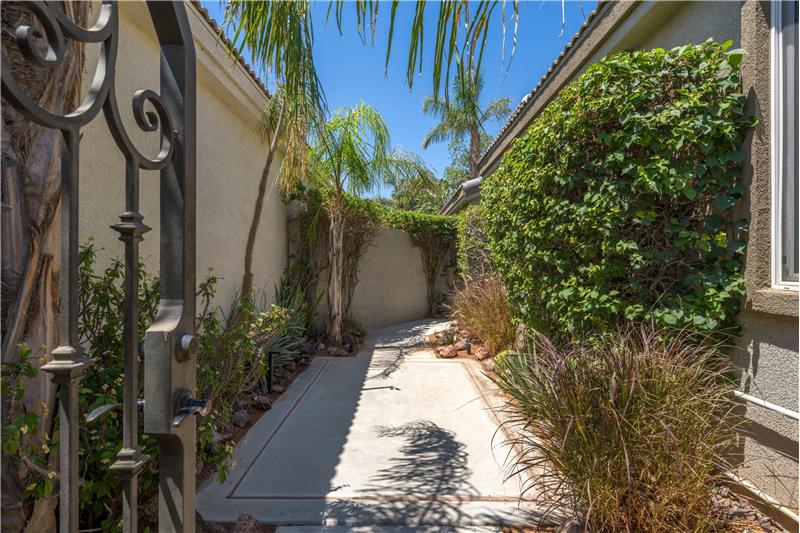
x,y
626,435
472,247
616,204
480,306
231,363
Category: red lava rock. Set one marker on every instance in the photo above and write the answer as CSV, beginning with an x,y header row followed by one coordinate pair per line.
x,y
448,352
463,344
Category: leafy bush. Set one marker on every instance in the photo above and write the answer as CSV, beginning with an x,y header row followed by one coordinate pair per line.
x,y
480,306
628,434
617,202
100,327
472,247
231,363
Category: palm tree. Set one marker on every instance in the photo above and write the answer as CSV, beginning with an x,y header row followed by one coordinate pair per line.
x,y
288,118
462,115
278,34
351,154
280,38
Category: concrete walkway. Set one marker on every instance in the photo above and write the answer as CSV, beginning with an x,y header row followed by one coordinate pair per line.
x,y
385,440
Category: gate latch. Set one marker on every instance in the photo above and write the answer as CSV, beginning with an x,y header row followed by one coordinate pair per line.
x,y
187,406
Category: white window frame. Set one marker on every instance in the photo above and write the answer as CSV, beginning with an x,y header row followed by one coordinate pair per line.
x,y
777,150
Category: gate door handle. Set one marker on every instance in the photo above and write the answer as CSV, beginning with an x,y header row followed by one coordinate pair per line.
x,y
97,412
188,406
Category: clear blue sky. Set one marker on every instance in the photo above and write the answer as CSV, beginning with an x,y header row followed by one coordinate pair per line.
x,y
351,71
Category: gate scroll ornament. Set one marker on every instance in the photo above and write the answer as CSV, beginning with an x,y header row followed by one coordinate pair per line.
x,y
169,367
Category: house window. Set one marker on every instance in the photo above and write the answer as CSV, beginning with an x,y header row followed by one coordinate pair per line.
x,y
784,145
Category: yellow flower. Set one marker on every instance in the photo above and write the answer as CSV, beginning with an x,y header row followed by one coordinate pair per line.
x,y
23,429
45,448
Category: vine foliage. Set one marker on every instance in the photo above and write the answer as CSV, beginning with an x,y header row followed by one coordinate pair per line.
x,y
472,248
364,218
618,202
362,221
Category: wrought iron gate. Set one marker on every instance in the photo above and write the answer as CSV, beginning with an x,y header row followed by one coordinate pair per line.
x,y
169,368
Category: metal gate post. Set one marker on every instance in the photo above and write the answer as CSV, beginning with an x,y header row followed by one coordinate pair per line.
x,y
169,343
169,377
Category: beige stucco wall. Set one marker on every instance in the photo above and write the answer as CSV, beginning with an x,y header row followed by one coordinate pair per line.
x,y
230,158
766,354
391,283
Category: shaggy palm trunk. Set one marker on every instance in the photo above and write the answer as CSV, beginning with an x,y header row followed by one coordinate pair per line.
x,y
336,256
31,194
474,152
247,277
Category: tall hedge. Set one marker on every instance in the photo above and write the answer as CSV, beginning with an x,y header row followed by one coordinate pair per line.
x,y
617,203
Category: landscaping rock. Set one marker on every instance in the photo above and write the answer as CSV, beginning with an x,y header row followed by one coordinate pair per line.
x,y
304,361
348,338
262,402
218,438
331,350
248,524
241,418
291,366
321,347
448,352
278,388
308,347
572,526
481,353
489,365
463,344
348,348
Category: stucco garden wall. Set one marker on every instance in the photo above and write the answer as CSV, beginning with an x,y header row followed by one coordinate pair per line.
x,y
391,283
230,158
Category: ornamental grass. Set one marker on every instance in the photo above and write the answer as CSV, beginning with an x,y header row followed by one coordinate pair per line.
x,y
626,434
480,306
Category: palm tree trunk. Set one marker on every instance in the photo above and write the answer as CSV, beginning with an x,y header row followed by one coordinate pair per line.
x,y
247,276
336,255
31,261
474,151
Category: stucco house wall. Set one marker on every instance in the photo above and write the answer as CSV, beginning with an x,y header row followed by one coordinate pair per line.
x,y
766,354
230,158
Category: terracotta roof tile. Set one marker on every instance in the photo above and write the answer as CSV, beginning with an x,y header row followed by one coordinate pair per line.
x,y
528,98
221,34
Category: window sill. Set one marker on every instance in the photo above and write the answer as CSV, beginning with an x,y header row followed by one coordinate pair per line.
x,y
774,301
